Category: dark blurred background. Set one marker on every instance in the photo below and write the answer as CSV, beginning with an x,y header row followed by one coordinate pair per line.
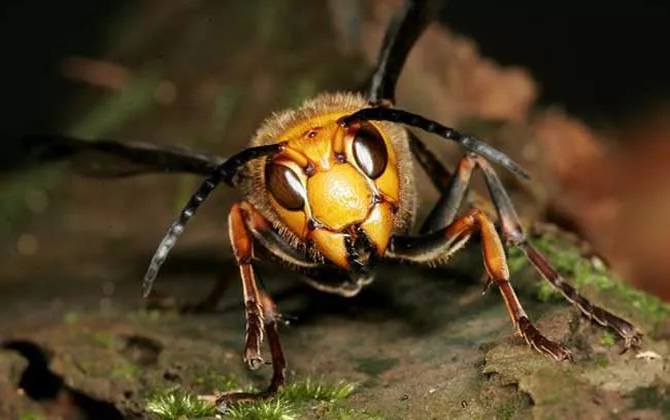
x,y
204,74
603,60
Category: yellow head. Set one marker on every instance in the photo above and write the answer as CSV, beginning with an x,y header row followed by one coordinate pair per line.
x,y
336,188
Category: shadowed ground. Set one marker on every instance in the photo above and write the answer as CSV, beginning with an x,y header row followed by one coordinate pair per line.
x,y
418,344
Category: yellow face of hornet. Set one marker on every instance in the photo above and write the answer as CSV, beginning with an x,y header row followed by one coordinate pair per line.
x,y
338,192
333,184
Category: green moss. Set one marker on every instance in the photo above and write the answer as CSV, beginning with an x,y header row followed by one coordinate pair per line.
x,y
274,409
300,396
584,273
177,404
309,391
375,366
306,395
608,339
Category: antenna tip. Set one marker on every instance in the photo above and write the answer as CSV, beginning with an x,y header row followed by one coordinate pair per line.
x,y
147,284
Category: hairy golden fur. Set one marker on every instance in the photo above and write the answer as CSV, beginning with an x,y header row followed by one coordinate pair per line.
x,y
272,129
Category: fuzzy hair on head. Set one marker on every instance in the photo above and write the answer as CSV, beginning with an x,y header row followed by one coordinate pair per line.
x,y
271,130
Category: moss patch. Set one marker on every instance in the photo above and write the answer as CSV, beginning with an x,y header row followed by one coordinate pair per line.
x,y
309,391
608,339
175,403
276,409
293,400
587,274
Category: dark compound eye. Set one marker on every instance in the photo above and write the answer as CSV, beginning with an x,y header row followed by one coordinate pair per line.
x,y
370,151
285,186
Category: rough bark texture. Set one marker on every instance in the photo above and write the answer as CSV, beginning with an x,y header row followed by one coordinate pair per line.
x,y
418,344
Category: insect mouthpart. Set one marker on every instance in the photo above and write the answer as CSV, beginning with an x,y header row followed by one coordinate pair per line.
x,y
360,248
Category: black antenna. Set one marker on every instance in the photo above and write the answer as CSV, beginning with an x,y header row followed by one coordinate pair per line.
x,y
224,172
414,120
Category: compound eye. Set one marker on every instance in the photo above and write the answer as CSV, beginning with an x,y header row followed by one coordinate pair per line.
x,y
285,186
370,151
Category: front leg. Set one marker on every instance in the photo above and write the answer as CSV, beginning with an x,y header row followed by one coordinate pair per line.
x,y
261,314
271,320
242,243
512,233
324,277
437,246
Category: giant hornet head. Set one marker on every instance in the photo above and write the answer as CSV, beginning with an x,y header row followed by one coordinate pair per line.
x,y
342,190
